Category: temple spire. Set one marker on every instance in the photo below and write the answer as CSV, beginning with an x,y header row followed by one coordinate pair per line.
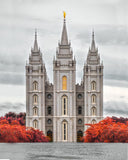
x,y
64,37
93,48
35,49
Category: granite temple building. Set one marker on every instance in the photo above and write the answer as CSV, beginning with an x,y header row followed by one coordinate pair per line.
x,y
62,109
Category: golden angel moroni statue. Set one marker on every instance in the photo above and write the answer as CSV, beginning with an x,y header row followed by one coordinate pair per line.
x,y
64,14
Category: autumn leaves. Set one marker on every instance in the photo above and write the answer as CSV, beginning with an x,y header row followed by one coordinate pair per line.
x,y
108,130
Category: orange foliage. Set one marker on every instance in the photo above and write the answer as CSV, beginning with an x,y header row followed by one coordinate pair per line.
x,y
13,116
15,132
108,130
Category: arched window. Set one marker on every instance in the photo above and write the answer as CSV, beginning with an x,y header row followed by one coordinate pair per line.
x,y
93,85
79,110
35,111
64,83
93,98
64,131
93,121
35,99
35,124
35,86
49,110
93,111
64,105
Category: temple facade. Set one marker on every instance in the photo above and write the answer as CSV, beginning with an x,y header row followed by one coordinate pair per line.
x,y
62,109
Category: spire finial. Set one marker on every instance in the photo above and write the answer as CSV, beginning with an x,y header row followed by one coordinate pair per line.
x,y
64,13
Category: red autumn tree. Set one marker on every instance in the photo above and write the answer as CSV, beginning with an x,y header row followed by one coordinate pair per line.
x,y
13,116
13,131
108,130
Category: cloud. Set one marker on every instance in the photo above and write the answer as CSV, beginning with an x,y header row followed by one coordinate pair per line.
x,y
105,34
116,108
112,81
11,107
12,78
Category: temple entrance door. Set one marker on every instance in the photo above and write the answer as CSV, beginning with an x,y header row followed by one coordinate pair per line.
x,y
79,135
49,134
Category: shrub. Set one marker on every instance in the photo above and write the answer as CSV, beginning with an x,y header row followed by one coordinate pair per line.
x,y
108,130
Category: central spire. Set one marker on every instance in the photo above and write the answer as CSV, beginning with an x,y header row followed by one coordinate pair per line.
x,y
93,48
64,37
35,49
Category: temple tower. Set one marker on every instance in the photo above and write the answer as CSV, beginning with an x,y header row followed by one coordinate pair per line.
x,y
35,89
64,72
93,86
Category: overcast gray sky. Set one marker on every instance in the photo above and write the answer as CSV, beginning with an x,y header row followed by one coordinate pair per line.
x,y
108,18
